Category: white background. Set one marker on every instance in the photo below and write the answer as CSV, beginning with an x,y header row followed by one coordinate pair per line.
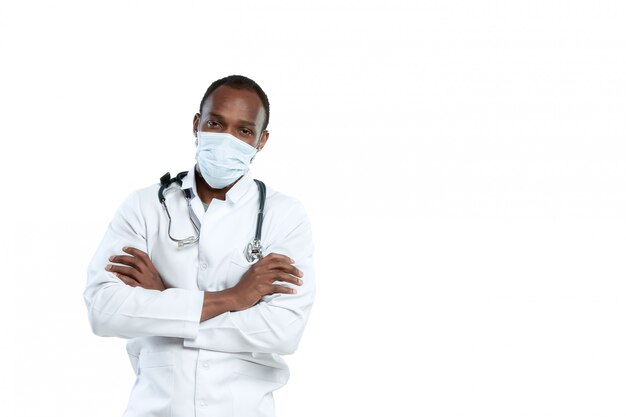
x,y
462,163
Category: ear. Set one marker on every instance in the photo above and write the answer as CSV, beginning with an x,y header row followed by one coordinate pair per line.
x,y
264,137
196,122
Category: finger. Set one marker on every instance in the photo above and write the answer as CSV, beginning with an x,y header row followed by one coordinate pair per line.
x,y
282,289
141,255
137,253
287,278
124,270
126,260
126,280
282,266
293,271
274,256
276,259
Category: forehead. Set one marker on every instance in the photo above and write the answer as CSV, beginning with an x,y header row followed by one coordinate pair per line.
x,y
234,103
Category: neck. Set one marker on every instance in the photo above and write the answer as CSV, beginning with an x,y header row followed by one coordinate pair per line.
x,y
205,192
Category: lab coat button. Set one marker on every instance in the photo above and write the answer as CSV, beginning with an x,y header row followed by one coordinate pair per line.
x,y
206,364
203,266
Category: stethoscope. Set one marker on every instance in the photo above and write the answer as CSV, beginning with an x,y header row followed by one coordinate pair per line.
x,y
254,250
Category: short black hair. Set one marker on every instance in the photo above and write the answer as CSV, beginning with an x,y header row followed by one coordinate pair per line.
x,y
239,82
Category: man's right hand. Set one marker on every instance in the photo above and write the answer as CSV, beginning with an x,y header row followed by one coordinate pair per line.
x,y
259,280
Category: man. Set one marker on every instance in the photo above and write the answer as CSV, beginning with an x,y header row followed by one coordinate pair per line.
x,y
207,324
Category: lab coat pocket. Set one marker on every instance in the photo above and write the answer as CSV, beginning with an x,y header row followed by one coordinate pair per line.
x,y
237,267
151,394
155,359
256,370
252,388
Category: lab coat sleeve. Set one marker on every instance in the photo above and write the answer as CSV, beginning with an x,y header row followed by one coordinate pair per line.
x,y
276,323
117,309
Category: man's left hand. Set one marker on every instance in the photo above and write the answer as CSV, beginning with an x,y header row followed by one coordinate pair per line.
x,y
139,270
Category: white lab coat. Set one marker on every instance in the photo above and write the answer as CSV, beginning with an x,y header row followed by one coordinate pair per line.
x,y
228,365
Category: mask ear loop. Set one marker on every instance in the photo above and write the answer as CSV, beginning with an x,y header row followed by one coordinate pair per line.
x,y
256,146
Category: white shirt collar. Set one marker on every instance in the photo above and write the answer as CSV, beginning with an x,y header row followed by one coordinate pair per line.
x,y
237,191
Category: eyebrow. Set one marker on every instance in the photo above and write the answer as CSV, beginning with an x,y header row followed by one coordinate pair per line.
x,y
247,123
219,116
242,122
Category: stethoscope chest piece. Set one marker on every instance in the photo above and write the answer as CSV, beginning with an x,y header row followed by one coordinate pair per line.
x,y
254,251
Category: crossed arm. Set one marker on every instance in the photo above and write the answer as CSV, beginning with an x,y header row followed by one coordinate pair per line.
x,y
137,270
128,299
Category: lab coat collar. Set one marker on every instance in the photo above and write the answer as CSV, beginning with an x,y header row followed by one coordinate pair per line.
x,y
233,195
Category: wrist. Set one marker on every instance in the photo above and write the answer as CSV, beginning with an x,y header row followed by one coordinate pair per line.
x,y
232,299
218,302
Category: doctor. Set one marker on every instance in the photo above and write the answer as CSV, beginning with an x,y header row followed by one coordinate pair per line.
x,y
206,325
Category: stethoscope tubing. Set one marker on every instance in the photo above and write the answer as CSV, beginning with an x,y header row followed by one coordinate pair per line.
x,y
254,250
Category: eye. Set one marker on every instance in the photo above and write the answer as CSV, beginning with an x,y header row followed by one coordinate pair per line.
x,y
246,132
212,124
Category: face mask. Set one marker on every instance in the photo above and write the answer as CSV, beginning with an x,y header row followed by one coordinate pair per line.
x,y
222,158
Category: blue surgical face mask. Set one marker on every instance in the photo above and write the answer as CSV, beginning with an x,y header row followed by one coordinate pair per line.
x,y
222,158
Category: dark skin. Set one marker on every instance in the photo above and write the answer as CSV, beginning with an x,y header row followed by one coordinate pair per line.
x,y
241,114
237,112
